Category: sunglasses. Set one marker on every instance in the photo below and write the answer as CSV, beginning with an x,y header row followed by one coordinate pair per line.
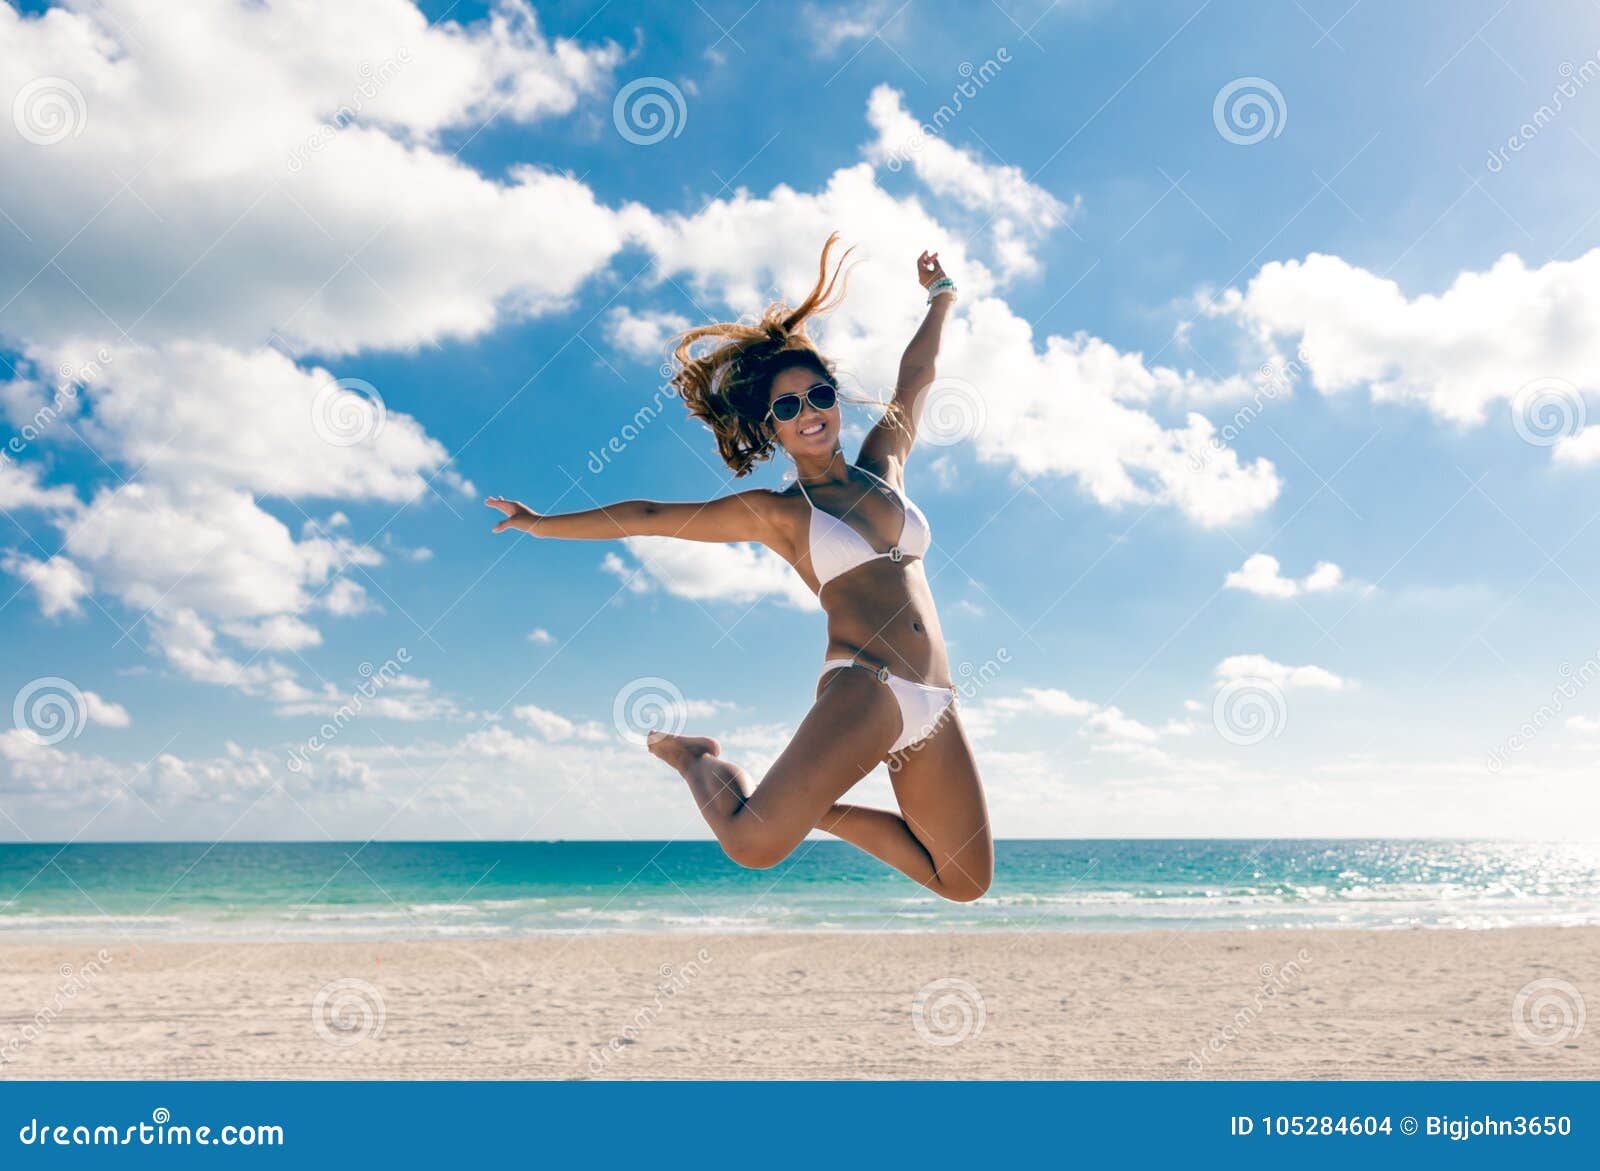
x,y
786,407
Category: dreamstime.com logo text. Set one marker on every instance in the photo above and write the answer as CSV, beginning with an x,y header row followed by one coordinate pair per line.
x,y
160,1131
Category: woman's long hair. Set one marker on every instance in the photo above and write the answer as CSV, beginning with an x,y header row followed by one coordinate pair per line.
x,y
728,385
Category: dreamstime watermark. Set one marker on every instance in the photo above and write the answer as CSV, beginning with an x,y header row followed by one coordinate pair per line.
x,y
373,80
349,1011
373,680
1248,110
951,410
155,1133
974,79
971,680
649,704
348,411
1250,709
1274,981
1573,681
948,1011
49,110
1273,378
649,109
674,980
600,459
1573,79
70,380
50,709
74,982
1546,411
1548,1012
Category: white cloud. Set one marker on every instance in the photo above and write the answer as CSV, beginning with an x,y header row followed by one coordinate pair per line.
x,y
643,333
1048,700
700,709
553,726
189,643
1017,212
190,533
1583,447
20,488
634,579
210,550
1325,575
1106,726
408,698
305,199
833,25
196,412
1261,667
59,584
277,632
1457,352
1115,724
345,598
376,239
105,713
541,637
547,723
1261,574
729,573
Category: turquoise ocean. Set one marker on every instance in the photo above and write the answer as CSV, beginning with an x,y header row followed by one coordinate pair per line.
x,y
443,890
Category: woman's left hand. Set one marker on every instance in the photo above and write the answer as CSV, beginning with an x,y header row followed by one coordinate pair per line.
x,y
929,269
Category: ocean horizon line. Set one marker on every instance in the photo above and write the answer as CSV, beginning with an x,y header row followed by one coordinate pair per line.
x,y
1302,838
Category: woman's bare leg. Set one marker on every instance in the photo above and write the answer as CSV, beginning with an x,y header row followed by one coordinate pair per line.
x,y
843,738
940,838
941,799
884,835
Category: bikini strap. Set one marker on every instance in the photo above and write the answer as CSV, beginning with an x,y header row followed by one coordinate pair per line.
x,y
881,480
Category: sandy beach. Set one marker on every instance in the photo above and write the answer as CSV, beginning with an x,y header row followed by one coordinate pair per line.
x,y
1267,1004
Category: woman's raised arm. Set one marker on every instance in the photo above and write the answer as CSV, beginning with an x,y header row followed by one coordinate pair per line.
x,y
889,442
743,516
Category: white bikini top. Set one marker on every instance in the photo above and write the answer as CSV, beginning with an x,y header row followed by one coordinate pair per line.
x,y
837,548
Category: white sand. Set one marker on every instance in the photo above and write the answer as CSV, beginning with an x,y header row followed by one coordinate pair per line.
x,y
1413,1004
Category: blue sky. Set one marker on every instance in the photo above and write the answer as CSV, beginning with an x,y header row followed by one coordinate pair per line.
x,y
198,562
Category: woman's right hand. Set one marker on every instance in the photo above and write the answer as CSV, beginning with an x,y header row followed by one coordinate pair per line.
x,y
518,515
929,269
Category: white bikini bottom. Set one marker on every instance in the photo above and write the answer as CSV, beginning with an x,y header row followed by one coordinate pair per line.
x,y
921,704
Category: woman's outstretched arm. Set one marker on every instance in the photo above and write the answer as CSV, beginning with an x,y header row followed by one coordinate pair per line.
x,y
743,516
890,440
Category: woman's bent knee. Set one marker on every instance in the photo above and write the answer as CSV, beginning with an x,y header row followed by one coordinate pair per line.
x,y
757,849
960,886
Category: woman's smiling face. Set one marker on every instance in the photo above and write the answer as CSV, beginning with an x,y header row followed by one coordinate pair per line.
x,y
811,432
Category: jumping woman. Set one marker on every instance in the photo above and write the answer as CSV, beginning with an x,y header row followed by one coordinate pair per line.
x,y
855,538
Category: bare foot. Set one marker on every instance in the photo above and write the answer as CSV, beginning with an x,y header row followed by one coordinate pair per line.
x,y
679,751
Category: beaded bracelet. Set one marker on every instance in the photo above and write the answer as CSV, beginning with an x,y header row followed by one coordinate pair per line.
x,y
940,287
